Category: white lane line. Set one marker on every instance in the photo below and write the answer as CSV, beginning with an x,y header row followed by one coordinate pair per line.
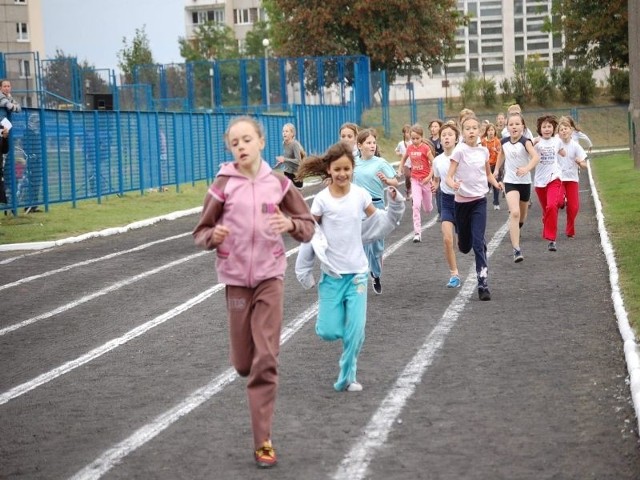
x,y
90,261
355,464
99,293
114,343
116,453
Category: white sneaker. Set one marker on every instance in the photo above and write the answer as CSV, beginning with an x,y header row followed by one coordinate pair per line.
x,y
496,207
417,238
354,387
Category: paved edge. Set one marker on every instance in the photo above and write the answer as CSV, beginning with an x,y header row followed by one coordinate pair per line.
x,y
631,350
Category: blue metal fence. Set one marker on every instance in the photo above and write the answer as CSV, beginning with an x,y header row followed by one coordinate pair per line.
x,y
61,156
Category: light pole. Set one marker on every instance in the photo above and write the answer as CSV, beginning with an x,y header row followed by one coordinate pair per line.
x,y
212,91
265,44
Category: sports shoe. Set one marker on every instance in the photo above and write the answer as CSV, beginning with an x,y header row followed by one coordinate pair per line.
x,y
484,294
496,207
454,282
417,238
517,256
353,387
552,246
377,286
265,456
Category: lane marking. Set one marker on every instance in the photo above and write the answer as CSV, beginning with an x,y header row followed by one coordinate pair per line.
x,y
114,455
88,262
99,293
356,462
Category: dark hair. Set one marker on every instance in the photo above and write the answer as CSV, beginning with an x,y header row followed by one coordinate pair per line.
x,y
315,165
549,119
451,126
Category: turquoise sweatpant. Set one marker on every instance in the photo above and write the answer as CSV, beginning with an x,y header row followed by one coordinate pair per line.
x,y
342,314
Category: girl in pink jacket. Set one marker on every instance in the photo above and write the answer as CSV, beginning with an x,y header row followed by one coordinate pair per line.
x,y
245,213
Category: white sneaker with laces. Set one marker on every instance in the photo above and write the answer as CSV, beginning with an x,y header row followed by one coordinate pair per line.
x,y
417,238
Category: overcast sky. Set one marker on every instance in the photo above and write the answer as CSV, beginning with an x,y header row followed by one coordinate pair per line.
x,y
92,30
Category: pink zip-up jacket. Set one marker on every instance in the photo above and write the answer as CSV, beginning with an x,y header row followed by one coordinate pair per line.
x,y
252,252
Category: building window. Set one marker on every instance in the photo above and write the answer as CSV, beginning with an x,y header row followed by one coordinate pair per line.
x,y
212,16
519,44
22,32
245,16
25,68
21,2
518,25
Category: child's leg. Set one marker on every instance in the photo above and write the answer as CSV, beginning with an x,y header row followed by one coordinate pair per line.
x,y
416,198
265,309
514,204
331,314
427,197
478,229
572,190
550,201
463,225
375,249
355,290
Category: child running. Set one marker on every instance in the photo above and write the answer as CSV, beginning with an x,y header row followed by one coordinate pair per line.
x,y
342,290
575,158
468,175
373,173
401,148
491,141
517,159
421,156
547,177
292,153
349,133
449,138
246,210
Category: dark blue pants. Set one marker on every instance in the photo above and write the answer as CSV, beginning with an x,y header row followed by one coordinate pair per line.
x,y
471,221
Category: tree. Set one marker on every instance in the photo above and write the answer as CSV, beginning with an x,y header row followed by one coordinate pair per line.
x,y
398,36
211,41
595,30
138,53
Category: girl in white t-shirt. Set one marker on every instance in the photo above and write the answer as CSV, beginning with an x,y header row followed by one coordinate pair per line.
x,y
575,158
547,177
342,291
519,158
468,176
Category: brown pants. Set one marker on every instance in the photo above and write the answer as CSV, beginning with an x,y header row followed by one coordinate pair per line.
x,y
255,321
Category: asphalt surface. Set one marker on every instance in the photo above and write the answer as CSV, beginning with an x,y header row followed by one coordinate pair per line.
x,y
115,365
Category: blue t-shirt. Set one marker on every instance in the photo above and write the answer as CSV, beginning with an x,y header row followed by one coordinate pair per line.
x,y
366,175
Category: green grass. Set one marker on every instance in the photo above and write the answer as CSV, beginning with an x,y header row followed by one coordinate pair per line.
x,y
617,182
62,220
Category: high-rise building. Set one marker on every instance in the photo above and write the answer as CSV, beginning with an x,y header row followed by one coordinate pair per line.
x,y
21,42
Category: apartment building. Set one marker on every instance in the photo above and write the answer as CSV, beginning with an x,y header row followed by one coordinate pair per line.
x,y
500,35
240,15
21,42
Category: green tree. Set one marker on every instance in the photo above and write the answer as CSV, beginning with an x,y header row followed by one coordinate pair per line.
x,y
136,54
211,41
595,30
398,36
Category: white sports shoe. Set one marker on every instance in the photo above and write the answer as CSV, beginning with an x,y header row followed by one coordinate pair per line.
x,y
417,238
354,387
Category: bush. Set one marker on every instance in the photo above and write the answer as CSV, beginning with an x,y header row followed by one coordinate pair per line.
x,y
469,88
577,85
619,85
540,86
489,92
507,92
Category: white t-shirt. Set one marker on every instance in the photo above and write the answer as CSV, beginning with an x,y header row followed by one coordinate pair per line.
x,y
441,166
341,223
515,156
569,168
548,168
471,171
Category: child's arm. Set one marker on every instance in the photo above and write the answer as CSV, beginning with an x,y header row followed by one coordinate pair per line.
x,y
402,162
491,178
534,159
379,223
453,167
208,233
302,222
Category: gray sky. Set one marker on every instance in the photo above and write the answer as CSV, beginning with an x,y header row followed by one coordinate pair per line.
x,y
93,30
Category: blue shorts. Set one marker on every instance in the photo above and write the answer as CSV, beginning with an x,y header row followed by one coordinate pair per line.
x,y
448,209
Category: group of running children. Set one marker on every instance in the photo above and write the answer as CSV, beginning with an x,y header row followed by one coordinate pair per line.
x,y
249,207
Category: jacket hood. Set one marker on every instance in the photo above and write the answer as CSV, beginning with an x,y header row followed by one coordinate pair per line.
x,y
230,169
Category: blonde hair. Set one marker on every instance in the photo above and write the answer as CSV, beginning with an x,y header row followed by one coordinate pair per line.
x,y
244,118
